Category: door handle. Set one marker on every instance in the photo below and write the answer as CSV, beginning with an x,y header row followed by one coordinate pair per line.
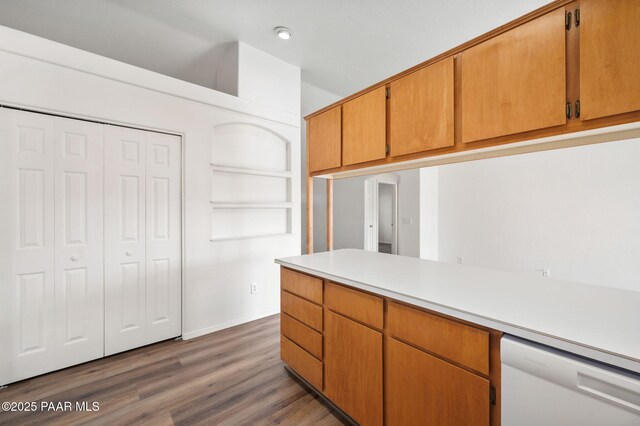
x,y
74,258
129,253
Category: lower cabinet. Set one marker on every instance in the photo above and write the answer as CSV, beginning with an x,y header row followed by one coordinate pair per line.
x,y
353,368
420,386
344,342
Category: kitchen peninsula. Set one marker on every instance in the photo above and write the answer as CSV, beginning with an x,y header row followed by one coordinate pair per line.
x,y
374,332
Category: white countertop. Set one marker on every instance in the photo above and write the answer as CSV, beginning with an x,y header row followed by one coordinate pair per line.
x,y
597,322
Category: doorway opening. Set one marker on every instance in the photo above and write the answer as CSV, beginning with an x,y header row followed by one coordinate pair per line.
x,y
381,213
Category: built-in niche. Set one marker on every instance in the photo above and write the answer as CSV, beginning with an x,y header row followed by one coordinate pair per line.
x,y
250,182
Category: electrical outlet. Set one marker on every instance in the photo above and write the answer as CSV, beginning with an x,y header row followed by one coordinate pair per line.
x,y
546,272
460,260
254,288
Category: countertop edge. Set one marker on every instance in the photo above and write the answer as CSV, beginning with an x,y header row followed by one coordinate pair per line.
x,y
616,360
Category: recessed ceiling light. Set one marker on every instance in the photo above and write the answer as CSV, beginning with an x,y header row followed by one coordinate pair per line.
x,y
283,32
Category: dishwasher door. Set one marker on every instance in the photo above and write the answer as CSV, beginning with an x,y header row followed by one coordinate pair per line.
x,y
543,386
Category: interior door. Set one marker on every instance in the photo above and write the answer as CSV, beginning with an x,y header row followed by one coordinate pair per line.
x,y
125,236
421,109
515,82
609,57
364,128
163,237
353,368
423,389
79,259
27,244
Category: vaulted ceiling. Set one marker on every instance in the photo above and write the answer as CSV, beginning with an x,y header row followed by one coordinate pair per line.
x,y
341,45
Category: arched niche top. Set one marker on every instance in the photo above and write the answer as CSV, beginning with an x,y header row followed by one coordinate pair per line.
x,y
249,146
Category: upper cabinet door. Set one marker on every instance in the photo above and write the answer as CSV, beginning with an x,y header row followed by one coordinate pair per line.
x,y
325,139
364,128
609,57
421,109
516,81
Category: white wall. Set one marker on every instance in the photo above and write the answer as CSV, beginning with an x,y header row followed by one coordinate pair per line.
x,y
429,213
385,213
256,76
313,99
348,213
45,76
574,211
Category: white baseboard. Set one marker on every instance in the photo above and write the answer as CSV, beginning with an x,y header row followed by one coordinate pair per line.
x,y
228,324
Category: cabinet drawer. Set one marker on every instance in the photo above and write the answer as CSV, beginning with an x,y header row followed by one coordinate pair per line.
x,y
301,362
355,304
305,337
303,285
458,342
302,310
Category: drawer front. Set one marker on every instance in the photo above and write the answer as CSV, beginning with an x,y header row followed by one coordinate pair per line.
x,y
302,310
303,285
305,337
301,362
355,304
458,342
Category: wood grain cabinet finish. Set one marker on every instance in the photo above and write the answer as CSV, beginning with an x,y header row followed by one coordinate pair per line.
x,y
302,335
302,310
302,285
421,109
516,81
609,57
301,362
353,368
460,343
364,128
325,140
355,304
422,389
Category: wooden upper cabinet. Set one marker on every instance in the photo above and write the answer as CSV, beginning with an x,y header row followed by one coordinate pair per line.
x,y
423,389
364,128
609,57
353,368
325,140
516,81
421,109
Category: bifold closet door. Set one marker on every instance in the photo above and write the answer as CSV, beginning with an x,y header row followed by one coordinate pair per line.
x,y
163,227
124,189
143,238
26,245
79,274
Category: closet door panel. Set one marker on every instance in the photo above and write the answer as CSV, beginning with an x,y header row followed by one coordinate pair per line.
x,y
79,274
125,322
27,245
163,228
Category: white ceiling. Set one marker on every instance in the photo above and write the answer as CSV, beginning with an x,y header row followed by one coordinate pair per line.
x,y
341,45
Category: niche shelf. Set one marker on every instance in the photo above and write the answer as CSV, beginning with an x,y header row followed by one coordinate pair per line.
x,y
250,183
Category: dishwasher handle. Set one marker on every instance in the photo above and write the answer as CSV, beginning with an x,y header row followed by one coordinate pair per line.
x,y
614,389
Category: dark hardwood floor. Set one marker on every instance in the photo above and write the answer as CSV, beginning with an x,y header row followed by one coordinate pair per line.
x,y
232,377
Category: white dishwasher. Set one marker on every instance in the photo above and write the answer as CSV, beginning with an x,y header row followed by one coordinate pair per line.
x,y
543,386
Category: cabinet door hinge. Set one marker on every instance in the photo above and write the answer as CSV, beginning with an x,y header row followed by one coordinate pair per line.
x,y
387,149
568,110
578,108
388,92
577,17
567,20
492,395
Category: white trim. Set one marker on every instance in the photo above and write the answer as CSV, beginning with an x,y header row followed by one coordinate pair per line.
x,y
228,324
371,206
